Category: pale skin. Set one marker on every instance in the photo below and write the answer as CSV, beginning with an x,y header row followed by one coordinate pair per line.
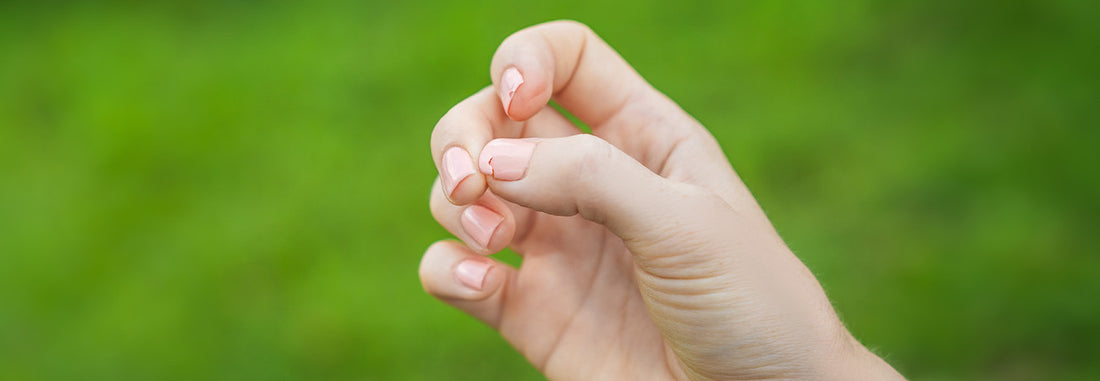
x,y
644,255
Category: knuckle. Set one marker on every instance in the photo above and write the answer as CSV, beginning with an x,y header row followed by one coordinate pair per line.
x,y
442,134
573,25
592,154
457,122
591,144
442,127
566,26
706,198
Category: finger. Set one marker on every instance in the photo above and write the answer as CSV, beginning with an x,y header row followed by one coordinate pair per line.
x,y
486,226
462,131
455,142
472,283
567,61
585,175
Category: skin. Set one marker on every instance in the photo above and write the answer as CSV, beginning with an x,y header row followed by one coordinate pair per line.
x,y
644,255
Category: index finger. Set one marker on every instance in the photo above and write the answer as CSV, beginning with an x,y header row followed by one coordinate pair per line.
x,y
462,132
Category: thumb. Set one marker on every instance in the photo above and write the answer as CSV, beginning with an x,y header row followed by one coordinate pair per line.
x,y
720,284
583,174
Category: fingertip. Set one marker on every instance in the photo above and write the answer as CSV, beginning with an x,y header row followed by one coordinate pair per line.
x,y
481,275
495,276
471,273
489,226
468,190
455,142
523,71
529,97
451,272
462,183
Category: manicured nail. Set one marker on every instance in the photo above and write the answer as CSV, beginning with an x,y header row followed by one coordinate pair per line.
x,y
471,273
480,223
509,83
457,166
506,159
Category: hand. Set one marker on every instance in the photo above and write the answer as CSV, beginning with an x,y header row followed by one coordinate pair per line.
x,y
644,256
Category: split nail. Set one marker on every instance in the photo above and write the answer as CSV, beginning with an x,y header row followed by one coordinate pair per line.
x,y
506,159
510,81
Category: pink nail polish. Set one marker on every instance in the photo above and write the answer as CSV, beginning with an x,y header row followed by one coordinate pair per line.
x,y
456,166
509,83
471,273
506,159
480,223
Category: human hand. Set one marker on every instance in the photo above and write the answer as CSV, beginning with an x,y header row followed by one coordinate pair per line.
x,y
644,255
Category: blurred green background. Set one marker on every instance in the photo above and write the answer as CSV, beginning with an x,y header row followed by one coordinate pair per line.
x,y
237,190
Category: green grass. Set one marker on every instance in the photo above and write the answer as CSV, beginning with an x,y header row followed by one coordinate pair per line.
x,y
217,190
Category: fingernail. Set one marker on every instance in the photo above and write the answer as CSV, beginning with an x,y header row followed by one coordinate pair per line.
x,y
506,159
480,223
457,166
471,273
509,83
